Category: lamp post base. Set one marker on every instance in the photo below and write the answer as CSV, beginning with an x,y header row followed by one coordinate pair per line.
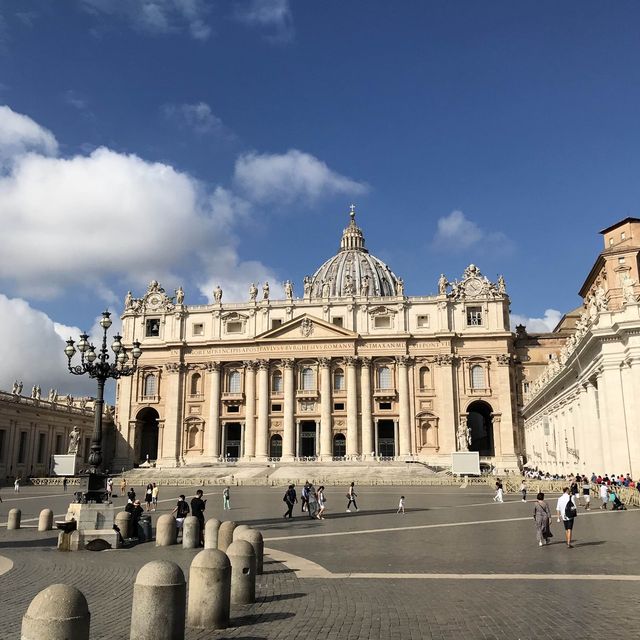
x,y
93,487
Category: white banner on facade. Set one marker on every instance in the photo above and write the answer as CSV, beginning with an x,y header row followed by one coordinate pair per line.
x,y
465,463
63,464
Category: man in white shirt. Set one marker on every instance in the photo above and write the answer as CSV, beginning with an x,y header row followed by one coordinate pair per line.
x,y
561,509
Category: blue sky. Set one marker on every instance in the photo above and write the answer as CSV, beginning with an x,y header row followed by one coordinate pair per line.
x,y
203,142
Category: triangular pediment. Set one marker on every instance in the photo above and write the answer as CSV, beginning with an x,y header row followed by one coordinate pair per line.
x,y
307,327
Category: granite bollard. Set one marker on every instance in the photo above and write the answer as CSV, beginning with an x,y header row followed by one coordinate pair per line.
x,y
159,602
123,522
166,531
59,612
209,590
191,533
225,534
45,521
211,529
237,532
13,518
243,572
254,538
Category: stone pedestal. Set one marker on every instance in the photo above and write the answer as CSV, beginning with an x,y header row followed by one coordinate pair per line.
x,y
94,521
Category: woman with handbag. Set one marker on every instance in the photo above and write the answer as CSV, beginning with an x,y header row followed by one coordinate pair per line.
x,y
542,517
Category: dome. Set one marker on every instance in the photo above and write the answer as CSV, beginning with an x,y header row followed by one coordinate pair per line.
x,y
353,271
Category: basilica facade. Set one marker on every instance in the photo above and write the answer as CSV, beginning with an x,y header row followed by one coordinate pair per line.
x,y
352,369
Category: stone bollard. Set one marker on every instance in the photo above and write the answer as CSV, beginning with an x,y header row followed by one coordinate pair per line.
x,y
209,590
158,610
123,522
45,521
254,538
191,533
225,534
237,532
211,533
166,531
243,572
13,519
57,613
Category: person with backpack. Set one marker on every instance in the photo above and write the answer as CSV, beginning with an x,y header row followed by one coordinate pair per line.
x,y
567,512
181,511
290,499
351,497
226,499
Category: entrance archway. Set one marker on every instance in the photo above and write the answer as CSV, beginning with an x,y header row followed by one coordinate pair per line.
x,y
339,445
307,439
275,446
481,425
233,440
386,438
148,418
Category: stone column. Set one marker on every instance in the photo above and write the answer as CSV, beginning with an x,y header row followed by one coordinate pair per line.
x,y
619,459
173,414
288,441
447,397
213,443
403,400
325,408
297,443
262,431
632,402
375,436
365,403
593,446
352,406
507,450
250,409
603,405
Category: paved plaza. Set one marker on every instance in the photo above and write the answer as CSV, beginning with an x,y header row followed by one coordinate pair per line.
x,y
457,565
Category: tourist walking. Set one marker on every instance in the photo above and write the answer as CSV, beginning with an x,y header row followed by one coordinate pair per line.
x,y
604,495
131,495
226,499
148,497
65,481
567,512
136,511
16,485
198,506
290,499
181,511
304,497
154,496
322,501
542,518
401,506
123,485
351,495
523,490
499,491
109,489
586,492
312,504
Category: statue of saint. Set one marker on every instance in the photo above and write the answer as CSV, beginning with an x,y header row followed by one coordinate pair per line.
x,y
348,285
462,438
628,294
364,285
502,285
33,392
601,299
307,286
443,283
217,294
14,389
74,440
265,291
19,389
253,291
128,301
400,287
326,288
38,392
179,295
288,290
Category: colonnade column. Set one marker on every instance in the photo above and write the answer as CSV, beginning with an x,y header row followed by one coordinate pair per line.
x,y
173,414
603,414
325,408
404,412
507,439
262,431
447,370
250,409
593,453
633,384
365,401
352,406
288,442
619,462
213,441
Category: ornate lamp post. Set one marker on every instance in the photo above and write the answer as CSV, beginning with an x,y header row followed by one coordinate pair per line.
x,y
97,366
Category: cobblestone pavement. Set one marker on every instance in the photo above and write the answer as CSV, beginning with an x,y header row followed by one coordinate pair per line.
x,y
449,531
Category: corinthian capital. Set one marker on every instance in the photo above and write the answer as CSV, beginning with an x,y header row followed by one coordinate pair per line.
x,y
324,362
250,364
263,365
351,361
288,363
212,366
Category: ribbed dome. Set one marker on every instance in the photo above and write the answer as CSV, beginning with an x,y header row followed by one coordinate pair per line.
x,y
354,271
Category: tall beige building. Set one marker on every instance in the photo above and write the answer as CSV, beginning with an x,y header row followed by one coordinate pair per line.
x,y
353,368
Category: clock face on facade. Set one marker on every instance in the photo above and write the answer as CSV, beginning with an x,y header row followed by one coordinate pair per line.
x,y
473,286
154,300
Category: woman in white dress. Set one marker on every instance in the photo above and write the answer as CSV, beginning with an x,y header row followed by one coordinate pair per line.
x,y
321,503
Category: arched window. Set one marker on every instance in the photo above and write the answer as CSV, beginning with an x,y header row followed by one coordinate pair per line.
x,y
338,380
307,379
234,382
195,384
150,385
276,382
425,378
384,378
477,377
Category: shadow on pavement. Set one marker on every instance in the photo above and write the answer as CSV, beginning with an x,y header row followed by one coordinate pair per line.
x,y
256,618
42,542
282,596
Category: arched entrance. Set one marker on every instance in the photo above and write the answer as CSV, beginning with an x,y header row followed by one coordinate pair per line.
x,y
147,420
386,438
275,446
233,440
339,445
481,425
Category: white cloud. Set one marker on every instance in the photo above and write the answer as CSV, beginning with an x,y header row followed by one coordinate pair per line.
x,y
157,16
275,14
287,177
20,134
537,325
75,99
457,232
197,117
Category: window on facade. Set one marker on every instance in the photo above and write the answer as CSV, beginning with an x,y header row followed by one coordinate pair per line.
x,y
384,378
198,329
337,321
610,241
233,408
193,437
234,327
338,380
525,387
477,377
3,434
474,316
425,378
276,322
152,328
150,385
338,406
423,321
233,383
42,437
59,445
623,236
621,260
276,408
382,322
22,448
276,382
384,406
307,379
195,384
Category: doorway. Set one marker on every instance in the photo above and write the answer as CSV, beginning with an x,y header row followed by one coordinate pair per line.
x,y
339,445
307,439
386,438
481,424
233,440
147,420
275,446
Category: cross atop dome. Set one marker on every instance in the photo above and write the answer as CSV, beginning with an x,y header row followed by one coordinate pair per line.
x,y
352,211
352,237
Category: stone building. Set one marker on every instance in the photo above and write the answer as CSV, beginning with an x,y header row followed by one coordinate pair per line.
x,y
33,428
351,369
582,413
